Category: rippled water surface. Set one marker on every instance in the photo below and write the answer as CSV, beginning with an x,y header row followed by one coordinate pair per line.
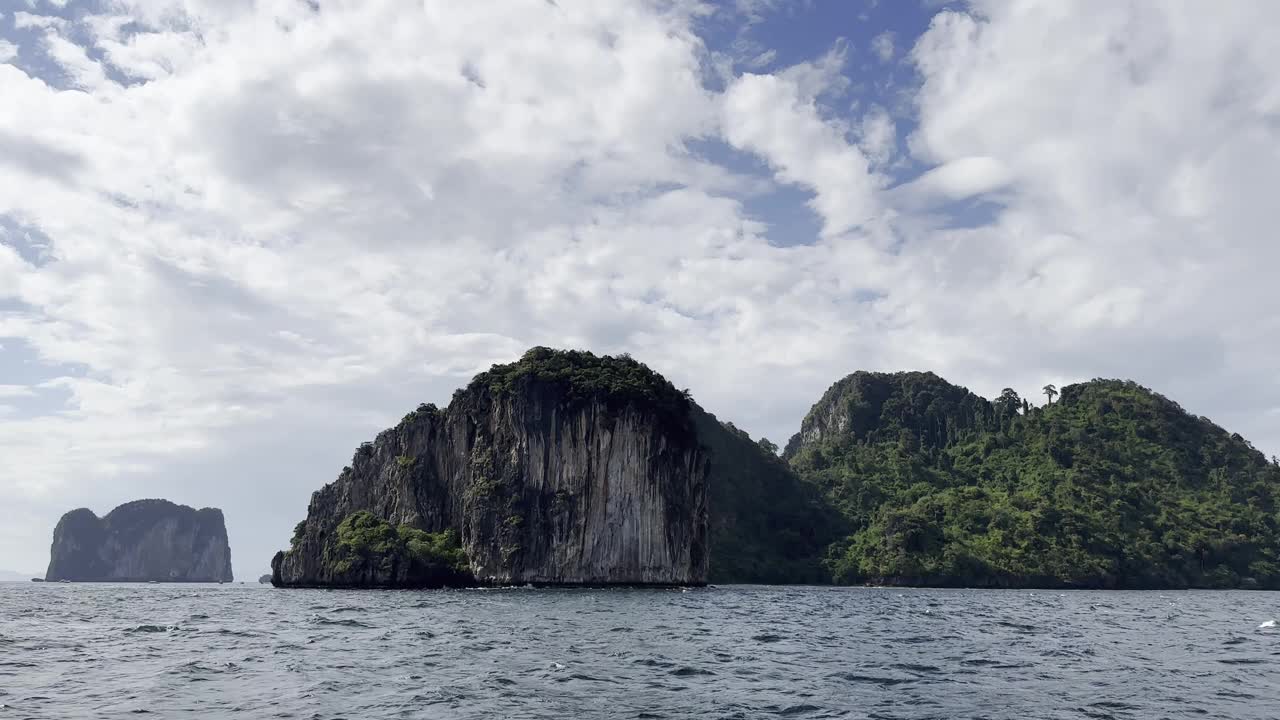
x,y
106,651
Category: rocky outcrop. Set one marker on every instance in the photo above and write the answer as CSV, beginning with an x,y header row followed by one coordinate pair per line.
x,y
873,406
561,469
141,541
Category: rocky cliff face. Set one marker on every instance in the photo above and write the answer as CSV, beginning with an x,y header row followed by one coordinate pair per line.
x,y
141,541
563,468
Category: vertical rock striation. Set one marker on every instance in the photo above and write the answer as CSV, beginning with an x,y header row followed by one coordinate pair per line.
x,y
563,468
141,541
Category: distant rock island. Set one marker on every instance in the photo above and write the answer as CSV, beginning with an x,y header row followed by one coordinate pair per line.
x,y
569,468
141,541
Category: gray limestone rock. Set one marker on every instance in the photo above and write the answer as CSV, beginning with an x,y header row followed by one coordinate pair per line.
x,y
141,541
563,469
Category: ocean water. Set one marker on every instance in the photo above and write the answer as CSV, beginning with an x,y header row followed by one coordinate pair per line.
x,y
116,651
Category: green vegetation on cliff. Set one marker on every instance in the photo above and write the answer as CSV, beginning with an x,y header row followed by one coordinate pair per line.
x,y
369,546
1110,486
584,376
766,525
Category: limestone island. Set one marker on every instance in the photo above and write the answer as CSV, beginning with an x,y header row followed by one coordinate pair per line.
x,y
563,468
141,541
567,468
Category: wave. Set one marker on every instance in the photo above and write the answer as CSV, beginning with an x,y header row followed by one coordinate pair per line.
x,y
343,622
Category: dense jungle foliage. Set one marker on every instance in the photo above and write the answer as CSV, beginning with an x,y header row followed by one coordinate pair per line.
x,y
1110,486
581,376
766,525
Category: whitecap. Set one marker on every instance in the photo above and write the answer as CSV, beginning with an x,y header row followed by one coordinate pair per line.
x,y
1268,625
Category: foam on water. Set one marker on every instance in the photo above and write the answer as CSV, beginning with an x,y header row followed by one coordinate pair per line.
x,y
113,651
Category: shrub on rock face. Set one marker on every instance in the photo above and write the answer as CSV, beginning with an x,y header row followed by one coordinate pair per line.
x,y
440,549
370,550
364,541
584,376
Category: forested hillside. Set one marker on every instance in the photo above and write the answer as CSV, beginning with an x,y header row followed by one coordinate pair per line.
x,y
766,524
1111,485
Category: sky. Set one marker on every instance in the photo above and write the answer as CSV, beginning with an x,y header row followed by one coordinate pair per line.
x,y
239,237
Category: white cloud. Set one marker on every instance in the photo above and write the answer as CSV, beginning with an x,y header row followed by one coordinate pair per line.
x,y
883,47
13,391
144,55
957,179
771,116
25,20
878,136
84,72
8,51
764,59
755,11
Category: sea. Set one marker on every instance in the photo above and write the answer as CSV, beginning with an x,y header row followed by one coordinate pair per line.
x,y
252,651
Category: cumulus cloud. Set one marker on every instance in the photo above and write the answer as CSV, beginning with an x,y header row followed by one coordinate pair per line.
x,y
957,179
882,46
879,136
12,391
772,116
24,20
294,221
763,59
143,55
